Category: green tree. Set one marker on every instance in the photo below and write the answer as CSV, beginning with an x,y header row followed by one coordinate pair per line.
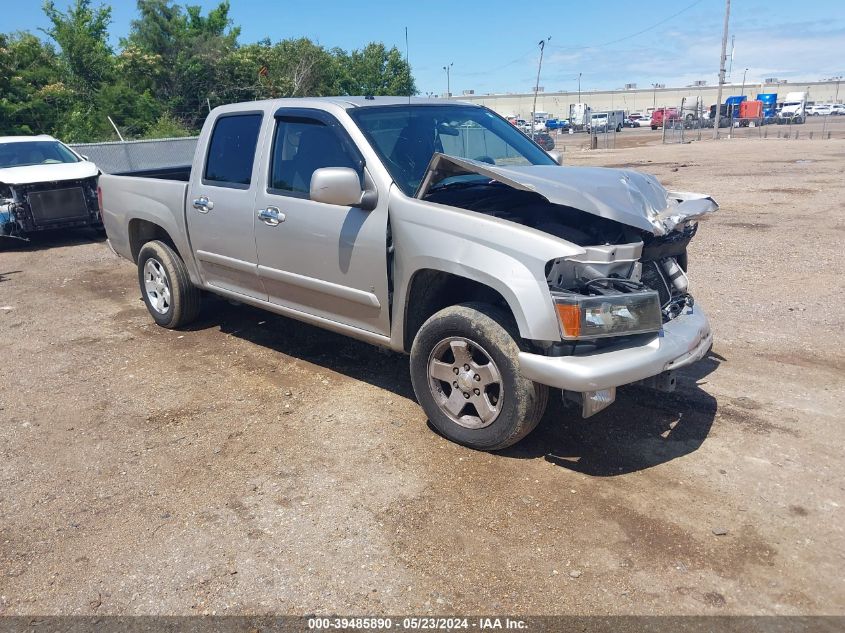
x,y
186,49
167,126
175,62
32,95
82,36
375,70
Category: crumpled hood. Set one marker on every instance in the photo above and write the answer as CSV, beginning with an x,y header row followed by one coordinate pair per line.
x,y
52,172
622,195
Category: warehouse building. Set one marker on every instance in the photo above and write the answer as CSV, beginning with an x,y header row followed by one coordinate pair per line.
x,y
636,99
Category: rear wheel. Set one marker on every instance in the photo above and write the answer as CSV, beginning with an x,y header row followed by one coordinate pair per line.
x,y
465,373
171,299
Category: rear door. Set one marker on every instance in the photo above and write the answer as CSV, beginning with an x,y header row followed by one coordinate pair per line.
x,y
220,204
322,259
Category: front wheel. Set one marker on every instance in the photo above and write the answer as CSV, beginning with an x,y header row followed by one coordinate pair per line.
x,y
465,373
171,299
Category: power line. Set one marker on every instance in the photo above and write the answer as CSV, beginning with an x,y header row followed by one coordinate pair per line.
x,y
632,35
522,57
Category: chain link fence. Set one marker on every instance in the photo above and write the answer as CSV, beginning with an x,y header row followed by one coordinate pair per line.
x,y
116,157
809,128
684,123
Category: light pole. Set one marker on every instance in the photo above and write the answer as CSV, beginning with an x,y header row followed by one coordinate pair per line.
x,y
654,96
542,46
579,87
742,93
448,70
837,79
722,61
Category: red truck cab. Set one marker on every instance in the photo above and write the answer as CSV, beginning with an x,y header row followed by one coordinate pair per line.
x,y
657,117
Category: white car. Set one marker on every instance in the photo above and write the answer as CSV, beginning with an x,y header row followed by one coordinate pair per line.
x,y
44,184
838,109
819,109
635,117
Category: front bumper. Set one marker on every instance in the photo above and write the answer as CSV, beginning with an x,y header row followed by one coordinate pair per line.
x,y
683,341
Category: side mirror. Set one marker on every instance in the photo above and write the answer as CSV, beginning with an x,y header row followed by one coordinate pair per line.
x,y
556,156
337,185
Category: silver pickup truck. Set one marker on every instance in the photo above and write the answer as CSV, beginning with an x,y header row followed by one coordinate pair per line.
x,y
431,228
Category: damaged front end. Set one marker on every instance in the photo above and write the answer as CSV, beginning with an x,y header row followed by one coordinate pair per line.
x,y
30,207
622,291
635,232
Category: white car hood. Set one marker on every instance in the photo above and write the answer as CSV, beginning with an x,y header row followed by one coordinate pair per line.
x,y
51,172
622,195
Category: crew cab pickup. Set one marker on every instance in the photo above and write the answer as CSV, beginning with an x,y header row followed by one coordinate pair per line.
x,y
429,228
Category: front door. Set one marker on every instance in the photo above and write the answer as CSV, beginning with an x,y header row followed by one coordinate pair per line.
x,y
221,198
321,259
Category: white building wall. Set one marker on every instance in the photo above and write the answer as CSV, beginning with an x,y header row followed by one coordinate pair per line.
x,y
643,99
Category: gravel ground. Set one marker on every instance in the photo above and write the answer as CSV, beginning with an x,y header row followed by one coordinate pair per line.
x,y
253,464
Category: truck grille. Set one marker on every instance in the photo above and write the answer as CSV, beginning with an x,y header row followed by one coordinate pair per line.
x,y
58,205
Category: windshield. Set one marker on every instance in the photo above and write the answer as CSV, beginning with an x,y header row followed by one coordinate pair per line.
x,y
407,136
35,153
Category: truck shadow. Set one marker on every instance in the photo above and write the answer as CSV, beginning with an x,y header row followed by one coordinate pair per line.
x,y
642,429
335,352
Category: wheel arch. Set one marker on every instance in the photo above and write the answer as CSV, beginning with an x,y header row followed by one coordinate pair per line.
x,y
142,231
430,290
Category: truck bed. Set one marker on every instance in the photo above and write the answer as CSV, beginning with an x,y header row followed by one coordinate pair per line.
x,y
156,197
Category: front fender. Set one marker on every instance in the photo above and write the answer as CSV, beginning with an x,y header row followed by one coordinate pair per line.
x,y
507,257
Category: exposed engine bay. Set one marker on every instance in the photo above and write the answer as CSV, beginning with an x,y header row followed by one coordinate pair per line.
x,y
625,252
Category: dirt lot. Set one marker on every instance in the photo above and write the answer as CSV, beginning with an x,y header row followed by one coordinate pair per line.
x,y
254,464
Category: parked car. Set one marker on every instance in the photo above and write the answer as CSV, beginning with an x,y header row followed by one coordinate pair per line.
x,y
557,124
44,184
820,109
837,109
544,140
433,229
643,121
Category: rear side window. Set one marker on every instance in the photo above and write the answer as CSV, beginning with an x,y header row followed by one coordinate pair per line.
x,y
231,152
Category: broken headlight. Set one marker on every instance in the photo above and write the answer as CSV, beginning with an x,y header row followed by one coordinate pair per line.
x,y
598,316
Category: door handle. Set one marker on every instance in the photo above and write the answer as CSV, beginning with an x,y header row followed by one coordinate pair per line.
x,y
203,204
271,216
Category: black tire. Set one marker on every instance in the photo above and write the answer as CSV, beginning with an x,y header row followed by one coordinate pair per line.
x,y
653,127
183,305
489,331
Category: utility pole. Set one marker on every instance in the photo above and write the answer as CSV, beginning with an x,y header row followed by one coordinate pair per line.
x,y
542,46
731,65
448,70
837,79
742,93
722,70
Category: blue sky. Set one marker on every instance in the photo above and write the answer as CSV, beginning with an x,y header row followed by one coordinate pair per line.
x,y
493,44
